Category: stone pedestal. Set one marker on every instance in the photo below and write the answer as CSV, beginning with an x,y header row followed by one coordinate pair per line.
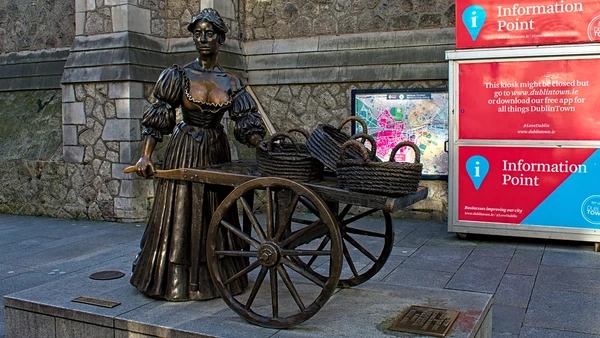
x,y
363,311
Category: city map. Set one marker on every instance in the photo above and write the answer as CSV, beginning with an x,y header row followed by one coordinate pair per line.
x,y
419,117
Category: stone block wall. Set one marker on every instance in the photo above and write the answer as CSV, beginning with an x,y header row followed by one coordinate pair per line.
x,y
101,129
27,25
280,19
158,18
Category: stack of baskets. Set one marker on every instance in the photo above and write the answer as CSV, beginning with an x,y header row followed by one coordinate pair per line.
x,y
325,143
387,178
290,160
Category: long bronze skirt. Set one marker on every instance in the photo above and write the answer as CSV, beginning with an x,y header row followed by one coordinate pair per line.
x,y
170,265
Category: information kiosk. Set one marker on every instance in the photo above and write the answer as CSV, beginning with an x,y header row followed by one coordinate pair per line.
x,y
524,120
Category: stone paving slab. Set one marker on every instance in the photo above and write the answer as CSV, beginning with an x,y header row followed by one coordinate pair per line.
x,y
534,332
476,279
564,311
573,258
573,279
508,319
525,262
438,258
514,291
417,277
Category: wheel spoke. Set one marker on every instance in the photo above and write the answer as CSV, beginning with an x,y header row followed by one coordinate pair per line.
x,y
359,247
302,272
240,234
283,225
321,246
300,233
344,212
274,296
288,283
302,221
256,286
255,224
359,216
308,204
349,260
236,253
246,270
269,212
363,232
305,252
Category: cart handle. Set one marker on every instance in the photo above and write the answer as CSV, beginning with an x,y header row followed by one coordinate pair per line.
x,y
172,174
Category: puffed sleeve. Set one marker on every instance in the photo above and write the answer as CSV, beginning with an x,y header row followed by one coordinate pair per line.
x,y
160,117
247,119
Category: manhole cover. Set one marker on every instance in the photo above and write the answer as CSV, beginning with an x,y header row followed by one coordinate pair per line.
x,y
106,275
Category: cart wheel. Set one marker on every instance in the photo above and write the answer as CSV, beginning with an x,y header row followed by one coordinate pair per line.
x,y
365,248
273,246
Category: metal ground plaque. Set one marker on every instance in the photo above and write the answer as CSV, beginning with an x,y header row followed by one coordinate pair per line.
x,y
425,320
96,302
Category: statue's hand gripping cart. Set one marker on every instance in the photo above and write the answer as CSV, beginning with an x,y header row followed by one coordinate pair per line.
x,y
524,119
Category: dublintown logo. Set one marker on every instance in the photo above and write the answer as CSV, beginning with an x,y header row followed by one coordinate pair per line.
x,y
593,30
473,18
590,209
477,168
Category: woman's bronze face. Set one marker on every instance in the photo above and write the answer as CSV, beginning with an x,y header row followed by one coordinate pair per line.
x,y
206,38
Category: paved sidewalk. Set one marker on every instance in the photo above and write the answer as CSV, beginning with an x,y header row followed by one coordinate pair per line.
x,y
541,288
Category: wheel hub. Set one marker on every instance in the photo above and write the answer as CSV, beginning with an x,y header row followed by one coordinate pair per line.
x,y
268,254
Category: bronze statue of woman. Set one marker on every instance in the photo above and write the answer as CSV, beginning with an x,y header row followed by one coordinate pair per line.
x,y
172,261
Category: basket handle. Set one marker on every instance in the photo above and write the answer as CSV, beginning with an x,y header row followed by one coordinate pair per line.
x,y
367,137
280,136
355,144
404,144
298,130
354,118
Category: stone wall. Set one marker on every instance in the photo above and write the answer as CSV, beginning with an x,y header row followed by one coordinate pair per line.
x,y
32,25
269,19
165,18
36,181
31,125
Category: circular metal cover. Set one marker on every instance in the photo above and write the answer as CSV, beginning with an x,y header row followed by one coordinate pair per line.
x,y
106,275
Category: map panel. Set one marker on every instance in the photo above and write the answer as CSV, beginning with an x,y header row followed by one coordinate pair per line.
x,y
419,117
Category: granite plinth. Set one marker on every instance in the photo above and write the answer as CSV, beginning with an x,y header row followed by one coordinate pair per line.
x,y
367,310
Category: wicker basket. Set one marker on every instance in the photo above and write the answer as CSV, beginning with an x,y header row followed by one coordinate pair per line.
x,y
326,141
385,178
288,160
357,154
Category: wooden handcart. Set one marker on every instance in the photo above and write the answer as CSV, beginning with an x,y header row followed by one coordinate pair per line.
x,y
305,257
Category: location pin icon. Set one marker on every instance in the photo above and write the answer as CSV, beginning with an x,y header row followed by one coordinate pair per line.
x,y
477,168
473,18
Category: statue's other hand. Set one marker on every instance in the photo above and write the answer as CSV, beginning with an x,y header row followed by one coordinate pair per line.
x,y
262,145
144,167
